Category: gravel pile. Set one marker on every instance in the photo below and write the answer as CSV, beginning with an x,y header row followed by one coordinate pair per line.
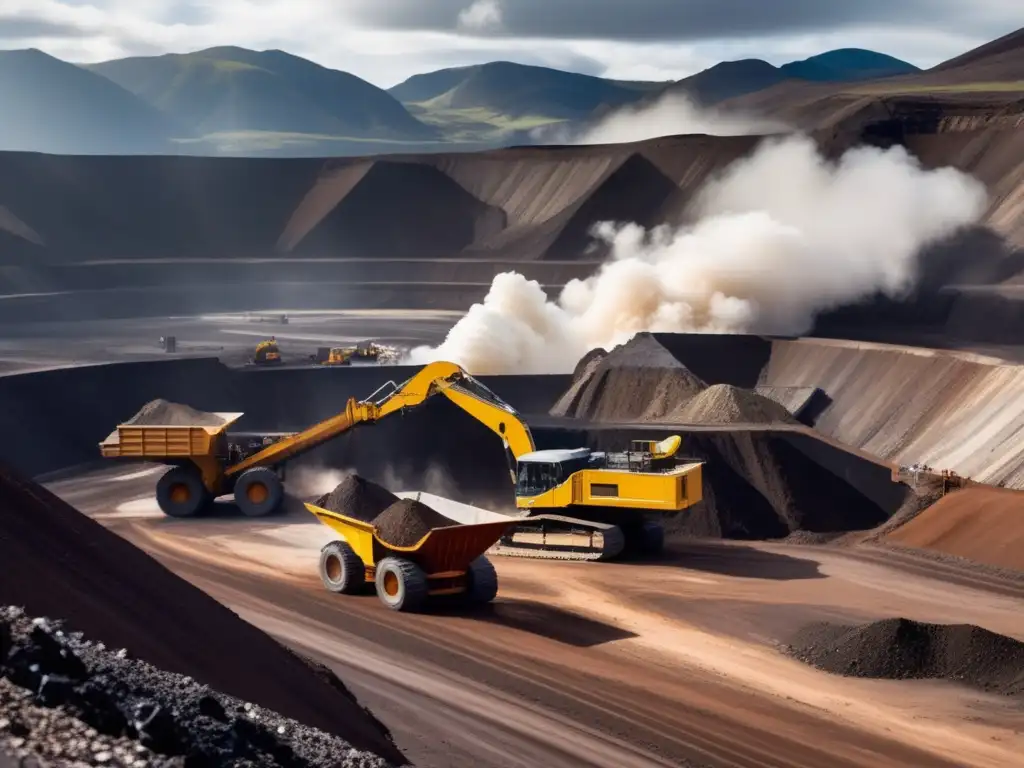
x,y
637,381
66,699
901,649
357,497
167,414
725,404
407,521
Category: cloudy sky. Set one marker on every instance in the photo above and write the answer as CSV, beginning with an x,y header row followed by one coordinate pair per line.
x,y
385,41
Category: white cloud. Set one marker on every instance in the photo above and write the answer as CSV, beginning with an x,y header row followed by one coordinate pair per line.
x,y
481,15
329,34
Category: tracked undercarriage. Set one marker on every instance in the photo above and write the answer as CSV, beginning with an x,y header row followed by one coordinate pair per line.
x,y
557,537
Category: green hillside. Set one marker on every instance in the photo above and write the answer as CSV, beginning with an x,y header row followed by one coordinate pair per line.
x,y
52,106
237,91
730,79
501,97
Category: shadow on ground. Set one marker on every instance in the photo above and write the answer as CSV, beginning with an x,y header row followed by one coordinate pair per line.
x,y
739,561
547,621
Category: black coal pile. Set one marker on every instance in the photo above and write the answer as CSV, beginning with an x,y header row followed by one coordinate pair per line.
x,y
65,699
167,414
358,498
901,649
407,521
637,381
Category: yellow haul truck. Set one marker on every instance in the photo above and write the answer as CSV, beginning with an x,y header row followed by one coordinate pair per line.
x,y
574,504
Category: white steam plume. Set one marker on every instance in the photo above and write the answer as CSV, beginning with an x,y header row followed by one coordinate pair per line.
x,y
673,114
781,236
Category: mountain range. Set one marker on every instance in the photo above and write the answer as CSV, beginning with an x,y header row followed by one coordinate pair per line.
x,y
235,101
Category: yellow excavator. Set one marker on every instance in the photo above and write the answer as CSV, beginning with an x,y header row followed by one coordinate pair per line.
x,y
267,352
575,504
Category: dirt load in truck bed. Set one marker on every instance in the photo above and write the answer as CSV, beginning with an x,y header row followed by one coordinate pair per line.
x,y
164,413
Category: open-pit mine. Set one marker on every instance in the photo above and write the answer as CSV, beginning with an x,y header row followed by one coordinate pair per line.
x,y
523,480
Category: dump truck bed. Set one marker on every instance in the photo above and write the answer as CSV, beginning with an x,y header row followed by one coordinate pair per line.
x,y
162,441
447,550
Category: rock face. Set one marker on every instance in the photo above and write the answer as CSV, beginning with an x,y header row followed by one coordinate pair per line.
x,y
64,697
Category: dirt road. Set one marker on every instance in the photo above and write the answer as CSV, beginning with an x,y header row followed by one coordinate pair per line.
x,y
672,664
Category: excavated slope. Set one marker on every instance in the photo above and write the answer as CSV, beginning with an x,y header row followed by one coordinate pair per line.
x,y
954,411
981,524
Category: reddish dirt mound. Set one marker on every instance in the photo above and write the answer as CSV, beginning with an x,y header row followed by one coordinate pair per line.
x,y
358,497
58,562
168,414
901,649
638,381
407,521
982,524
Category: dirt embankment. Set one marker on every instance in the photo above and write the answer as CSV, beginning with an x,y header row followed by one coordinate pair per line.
x,y
66,565
643,380
901,649
977,523
638,381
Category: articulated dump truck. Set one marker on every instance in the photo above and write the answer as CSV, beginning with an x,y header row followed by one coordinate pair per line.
x,y
573,504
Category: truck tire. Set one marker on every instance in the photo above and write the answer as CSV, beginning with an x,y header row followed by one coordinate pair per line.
x,y
341,570
180,492
259,492
482,586
401,585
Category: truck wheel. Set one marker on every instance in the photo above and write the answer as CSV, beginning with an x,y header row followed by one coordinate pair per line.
x,y
401,584
258,492
341,570
180,492
482,586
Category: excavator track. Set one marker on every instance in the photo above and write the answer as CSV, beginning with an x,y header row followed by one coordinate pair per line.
x,y
553,537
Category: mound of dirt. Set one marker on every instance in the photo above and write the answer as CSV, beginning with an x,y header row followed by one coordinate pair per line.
x,y
58,562
167,414
901,649
407,521
359,498
978,523
58,686
637,381
725,404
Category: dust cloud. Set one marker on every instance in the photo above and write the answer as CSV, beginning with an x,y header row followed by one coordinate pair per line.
x,y
779,237
312,481
671,115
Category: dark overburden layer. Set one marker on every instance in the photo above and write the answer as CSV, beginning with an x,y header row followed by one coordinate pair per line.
x,y
901,649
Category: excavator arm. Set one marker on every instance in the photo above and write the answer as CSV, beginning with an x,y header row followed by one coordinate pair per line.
x,y
445,378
